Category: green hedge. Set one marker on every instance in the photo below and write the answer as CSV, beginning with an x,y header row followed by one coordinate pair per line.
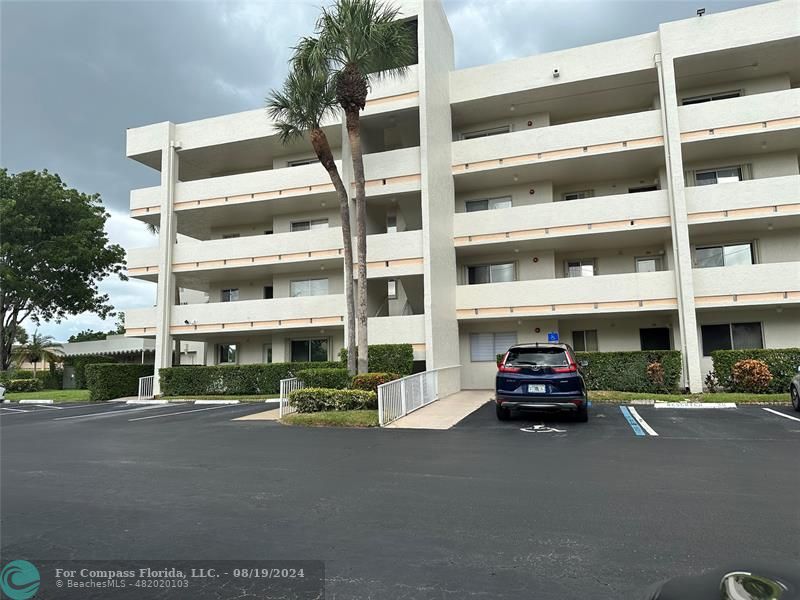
x,y
371,381
231,379
388,358
80,362
337,378
307,400
627,371
782,363
24,385
107,381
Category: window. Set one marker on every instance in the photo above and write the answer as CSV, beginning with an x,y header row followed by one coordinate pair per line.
x,y
391,223
711,97
731,336
266,355
228,236
723,255
579,195
307,225
583,267
227,354
310,350
391,289
718,175
655,338
648,264
268,292
490,273
584,341
642,188
488,204
484,347
471,135
230,295
308,287
301,161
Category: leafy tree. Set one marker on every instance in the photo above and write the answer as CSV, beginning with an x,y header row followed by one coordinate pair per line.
x,y
88,335
298,110
358,40
53,253
38,348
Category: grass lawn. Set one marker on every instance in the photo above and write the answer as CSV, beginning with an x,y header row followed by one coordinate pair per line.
x,y
55,395
612,396
255,398
334,418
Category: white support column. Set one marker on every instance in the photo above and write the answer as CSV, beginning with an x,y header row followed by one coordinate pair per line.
x,y
165,293
681,245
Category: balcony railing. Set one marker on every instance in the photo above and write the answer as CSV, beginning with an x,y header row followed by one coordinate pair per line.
x,y
581,295
755,198
570,140
770,283
621,212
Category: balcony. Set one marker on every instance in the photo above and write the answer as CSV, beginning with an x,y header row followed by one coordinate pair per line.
x,y
621,212
772,111
558,142
406,329
747,285
629,292
242,317
755,198
394,93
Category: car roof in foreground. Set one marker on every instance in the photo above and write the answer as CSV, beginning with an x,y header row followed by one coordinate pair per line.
x,y
535,345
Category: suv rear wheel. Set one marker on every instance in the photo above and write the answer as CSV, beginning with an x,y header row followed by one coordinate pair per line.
x,y
582,416
795,398
503,414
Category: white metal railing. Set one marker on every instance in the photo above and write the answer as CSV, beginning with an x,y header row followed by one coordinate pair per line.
x,y
146,387
288,385
402,396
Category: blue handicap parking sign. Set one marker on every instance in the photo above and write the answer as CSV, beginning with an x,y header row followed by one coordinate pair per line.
x,y
552,336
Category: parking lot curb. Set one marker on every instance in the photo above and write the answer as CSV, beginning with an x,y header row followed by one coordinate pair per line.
x,y
695,405
147,402
216,402
36,402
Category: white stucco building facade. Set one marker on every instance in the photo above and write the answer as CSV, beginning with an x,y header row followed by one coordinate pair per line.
x,y
642,193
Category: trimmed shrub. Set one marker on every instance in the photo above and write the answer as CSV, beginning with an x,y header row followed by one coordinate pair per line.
x,y
781,362
79,363
107,381
231,379
308,400
23,375
750,375
387,358
24,385
649,371
371,381
337,378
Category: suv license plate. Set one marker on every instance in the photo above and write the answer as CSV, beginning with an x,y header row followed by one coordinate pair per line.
x,y
536,388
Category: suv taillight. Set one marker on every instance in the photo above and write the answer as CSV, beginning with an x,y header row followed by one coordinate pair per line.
x,y
501,366
571,368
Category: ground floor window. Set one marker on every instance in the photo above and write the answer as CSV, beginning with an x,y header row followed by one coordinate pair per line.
x,y
310,350
267,353
731,336
584,341
655,338
484,347
227,354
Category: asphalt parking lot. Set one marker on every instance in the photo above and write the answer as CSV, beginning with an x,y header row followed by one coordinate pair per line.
x,y
531,508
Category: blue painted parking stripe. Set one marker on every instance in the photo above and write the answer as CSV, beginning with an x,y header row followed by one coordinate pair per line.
x,y
637,429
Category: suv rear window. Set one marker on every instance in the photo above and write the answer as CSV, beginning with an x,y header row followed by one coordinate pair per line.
x,y
543,357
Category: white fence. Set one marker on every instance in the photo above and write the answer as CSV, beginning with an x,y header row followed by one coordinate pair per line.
x,y
288,385
146,387
402,396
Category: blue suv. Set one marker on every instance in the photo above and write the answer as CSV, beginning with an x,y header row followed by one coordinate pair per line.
x,y
541,377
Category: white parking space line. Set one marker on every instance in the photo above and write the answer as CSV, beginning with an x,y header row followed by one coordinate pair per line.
x,y
180,412
644,425
780,414
14,410
112,411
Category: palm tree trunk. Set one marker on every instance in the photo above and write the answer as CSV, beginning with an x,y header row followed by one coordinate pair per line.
x,y
354,135
323,150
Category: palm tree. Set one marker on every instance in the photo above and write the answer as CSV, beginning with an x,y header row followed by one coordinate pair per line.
x,y
298,110
358,40
38,348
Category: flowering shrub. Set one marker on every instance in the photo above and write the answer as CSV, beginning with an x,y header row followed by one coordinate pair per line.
x,y
751,375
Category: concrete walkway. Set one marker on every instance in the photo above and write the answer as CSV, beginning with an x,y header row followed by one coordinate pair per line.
x,y
273,414
444,413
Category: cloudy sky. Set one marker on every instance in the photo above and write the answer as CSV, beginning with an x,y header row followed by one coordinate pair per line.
x,y
75,75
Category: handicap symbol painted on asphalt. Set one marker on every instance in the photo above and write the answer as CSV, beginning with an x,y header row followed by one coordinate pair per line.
x,y
542,429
